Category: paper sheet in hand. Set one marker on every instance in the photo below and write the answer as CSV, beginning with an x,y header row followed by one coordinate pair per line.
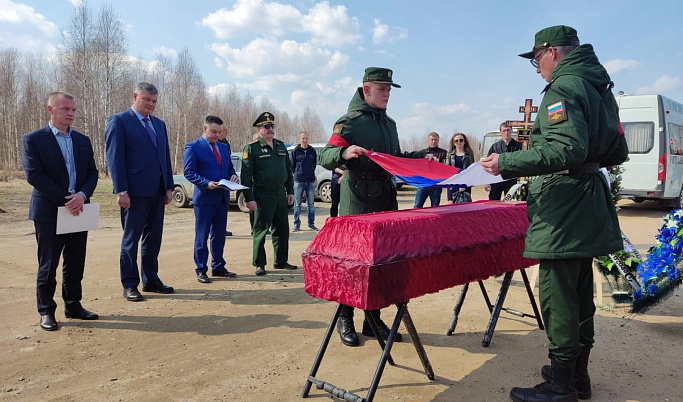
x,y
230,185
86,220
474,175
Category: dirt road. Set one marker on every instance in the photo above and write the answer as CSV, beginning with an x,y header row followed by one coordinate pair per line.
x,y
254,338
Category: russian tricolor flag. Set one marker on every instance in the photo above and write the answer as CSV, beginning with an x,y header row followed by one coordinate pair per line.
x,y
555,108
415,172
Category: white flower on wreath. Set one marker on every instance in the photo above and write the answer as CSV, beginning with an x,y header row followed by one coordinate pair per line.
x,y
678,213
671,223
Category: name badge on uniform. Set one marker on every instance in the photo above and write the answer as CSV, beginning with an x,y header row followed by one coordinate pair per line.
x,y
264,156
282,153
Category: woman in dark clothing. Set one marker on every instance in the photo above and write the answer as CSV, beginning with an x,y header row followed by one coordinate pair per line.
x,y
461,156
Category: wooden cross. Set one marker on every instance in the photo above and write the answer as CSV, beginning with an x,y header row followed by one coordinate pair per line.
x,y
527,109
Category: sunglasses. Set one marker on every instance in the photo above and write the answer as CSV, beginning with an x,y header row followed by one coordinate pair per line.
x,y
459,140
268,126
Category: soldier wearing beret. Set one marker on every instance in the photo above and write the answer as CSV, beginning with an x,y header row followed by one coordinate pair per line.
x,y
571,215
267,171
366,186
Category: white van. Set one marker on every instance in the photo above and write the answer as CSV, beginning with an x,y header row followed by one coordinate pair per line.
x,y
653,125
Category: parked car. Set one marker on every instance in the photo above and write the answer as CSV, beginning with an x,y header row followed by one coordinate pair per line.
x,y
323,177
183,189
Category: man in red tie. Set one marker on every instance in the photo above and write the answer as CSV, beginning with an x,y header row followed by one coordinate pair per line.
x,y
205,162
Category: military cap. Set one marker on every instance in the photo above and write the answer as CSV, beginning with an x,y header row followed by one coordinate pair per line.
x,y
558,35
380,76
265,117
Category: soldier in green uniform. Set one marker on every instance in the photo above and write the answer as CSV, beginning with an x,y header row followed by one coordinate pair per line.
x,y
267,171
367,187
571,215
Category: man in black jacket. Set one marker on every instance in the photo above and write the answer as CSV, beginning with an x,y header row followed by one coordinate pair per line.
x,y
434,193
304,161
59,164
506,144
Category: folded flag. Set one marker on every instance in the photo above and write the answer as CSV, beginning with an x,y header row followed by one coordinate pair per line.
x,y
415,172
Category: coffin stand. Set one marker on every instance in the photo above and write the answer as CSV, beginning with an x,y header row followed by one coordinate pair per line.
x,y
373,261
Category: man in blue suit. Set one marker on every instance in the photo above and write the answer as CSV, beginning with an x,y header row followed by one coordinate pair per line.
x,y
59,164
140,165
205,162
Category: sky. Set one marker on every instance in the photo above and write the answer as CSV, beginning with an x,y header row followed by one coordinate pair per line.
x,y
456,60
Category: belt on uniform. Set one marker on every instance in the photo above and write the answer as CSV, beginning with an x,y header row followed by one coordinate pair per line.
x,y
366,175
585,168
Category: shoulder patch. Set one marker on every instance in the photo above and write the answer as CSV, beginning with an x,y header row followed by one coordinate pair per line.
x,y
354,114
245,155
337,129
556,113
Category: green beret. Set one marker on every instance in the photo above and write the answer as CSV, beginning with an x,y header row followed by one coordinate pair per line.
x,y
559,35
379,75
265,117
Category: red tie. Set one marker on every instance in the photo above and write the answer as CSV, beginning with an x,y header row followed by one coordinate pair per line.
x,y
216,154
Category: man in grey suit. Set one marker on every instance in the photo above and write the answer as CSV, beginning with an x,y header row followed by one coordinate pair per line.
x,y
140,165
59,164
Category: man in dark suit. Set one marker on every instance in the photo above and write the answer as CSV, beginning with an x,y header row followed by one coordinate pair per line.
x,y
59,164
205,162
140,165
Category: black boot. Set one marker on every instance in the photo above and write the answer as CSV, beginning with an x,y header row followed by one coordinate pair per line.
x,y
560,388
381,326
345,327
582,382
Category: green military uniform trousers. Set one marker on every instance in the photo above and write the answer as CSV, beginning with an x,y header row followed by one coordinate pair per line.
x,y
566,296
271,214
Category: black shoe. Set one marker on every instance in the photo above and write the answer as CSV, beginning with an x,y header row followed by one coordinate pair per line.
x,y
582,381
224,273
157,287
285,266
48,322
383,330
202,278
559,389
347,331
81,314
260,271
132,294
228,234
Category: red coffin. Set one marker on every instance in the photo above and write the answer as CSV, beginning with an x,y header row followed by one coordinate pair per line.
x,y
376,260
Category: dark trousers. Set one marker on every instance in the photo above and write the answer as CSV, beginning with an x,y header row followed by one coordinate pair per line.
x,y
209,220
335,189
566,296
347,312
271,216
144,219
497,189
50,248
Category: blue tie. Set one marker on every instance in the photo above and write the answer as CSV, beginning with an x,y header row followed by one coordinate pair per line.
x,y
151,132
